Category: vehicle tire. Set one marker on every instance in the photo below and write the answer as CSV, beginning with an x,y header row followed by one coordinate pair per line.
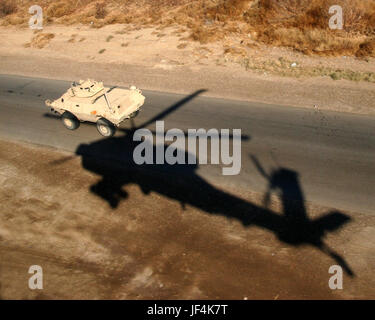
x,y
70,121
105,127
133,114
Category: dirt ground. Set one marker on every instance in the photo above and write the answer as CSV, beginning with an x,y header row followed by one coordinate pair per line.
x,y
166,60
151,246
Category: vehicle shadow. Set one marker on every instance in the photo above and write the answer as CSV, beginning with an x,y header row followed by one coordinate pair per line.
x,y
112,159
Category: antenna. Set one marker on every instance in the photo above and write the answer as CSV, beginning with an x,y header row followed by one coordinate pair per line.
x,y
106,99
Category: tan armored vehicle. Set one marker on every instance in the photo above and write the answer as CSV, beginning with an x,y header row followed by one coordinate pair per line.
x,y
90,101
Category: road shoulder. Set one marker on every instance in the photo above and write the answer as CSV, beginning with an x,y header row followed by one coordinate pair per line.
x,y
156,64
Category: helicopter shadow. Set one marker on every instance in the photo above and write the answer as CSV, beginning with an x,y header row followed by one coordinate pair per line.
x,y
112,159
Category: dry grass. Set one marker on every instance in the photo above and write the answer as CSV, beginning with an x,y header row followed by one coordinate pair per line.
x,y
366,48
182,45
235,51
40,40
298,24
303,26
101,11
284,67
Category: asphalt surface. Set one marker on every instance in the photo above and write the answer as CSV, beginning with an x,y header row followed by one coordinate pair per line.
x,y
332,153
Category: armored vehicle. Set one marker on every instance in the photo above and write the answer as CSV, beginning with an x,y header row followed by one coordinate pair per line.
x,y
90,101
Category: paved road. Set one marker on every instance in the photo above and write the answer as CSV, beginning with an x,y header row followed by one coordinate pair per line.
x,y
333,153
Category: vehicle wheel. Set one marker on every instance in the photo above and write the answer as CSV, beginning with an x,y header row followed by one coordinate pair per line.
x,y
105,127
70,121
133,114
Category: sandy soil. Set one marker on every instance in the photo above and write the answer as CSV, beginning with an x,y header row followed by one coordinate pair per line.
x,y
165,60
150,246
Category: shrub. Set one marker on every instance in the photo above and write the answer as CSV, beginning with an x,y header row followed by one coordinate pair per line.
x,y
7,7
